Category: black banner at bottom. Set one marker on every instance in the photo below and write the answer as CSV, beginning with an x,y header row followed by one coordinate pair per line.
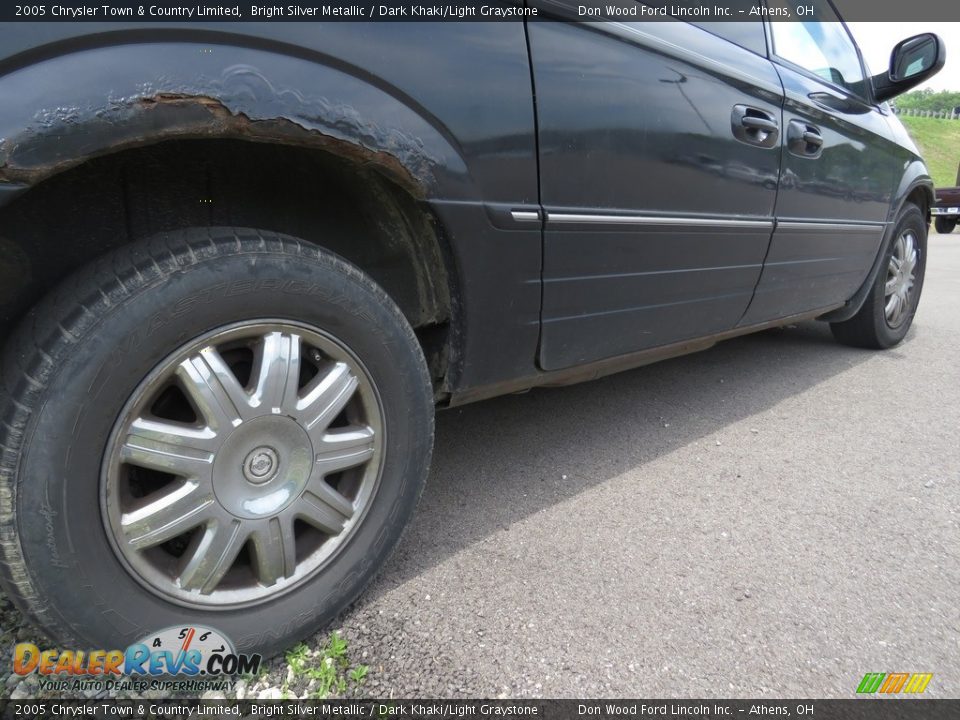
x,y
854,709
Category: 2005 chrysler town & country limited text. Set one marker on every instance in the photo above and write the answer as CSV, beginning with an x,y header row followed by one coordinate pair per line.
x,y
242,264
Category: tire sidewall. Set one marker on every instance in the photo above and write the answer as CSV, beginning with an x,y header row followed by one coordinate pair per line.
x,y
64,542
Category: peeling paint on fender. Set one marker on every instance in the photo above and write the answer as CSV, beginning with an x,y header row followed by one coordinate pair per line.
x,y
242,103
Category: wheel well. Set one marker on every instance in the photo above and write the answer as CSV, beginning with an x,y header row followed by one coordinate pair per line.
x,y
333,202
920,196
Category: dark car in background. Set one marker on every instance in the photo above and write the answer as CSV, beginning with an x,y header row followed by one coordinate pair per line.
x,y
946,208
243,264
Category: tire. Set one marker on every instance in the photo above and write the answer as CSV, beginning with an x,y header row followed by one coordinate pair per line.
x,y
318,338
944,226
873,326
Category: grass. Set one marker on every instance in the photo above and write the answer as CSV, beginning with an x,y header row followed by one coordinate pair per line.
x,y
939,141
328,665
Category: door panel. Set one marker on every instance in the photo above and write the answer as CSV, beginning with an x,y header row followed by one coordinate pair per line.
x,y
834,199
644,288
657,217
812,266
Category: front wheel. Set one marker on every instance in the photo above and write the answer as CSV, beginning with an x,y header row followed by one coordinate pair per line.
x,y
944,225
220,427
888,311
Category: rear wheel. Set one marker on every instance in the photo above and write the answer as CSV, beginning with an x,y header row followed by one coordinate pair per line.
x,y
944,225
888,311
222,427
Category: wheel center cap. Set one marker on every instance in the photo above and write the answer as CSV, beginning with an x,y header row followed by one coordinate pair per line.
x,y
260,465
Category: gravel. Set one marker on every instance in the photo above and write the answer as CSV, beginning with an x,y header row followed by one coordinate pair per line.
x,y
774,517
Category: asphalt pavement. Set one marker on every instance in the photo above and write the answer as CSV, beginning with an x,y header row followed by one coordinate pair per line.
x,y
774,517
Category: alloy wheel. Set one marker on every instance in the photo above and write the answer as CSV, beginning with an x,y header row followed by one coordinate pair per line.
x,y
898,291
242,464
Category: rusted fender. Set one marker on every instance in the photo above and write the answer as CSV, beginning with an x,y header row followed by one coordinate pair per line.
x,y
80,104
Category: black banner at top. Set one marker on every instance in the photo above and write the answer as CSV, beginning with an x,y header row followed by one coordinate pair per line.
x,y
471,10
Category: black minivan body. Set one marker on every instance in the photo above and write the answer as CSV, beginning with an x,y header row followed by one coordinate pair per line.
x,y
243,263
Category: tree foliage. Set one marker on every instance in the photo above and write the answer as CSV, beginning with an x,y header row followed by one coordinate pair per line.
x,y
927,99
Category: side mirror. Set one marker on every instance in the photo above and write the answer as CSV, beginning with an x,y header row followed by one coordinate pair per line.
x,y
912,61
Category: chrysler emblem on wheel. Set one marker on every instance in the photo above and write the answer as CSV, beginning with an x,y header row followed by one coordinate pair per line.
x,y
260,464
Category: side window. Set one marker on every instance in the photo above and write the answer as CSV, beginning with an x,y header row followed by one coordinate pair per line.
x,y
821,46
747,35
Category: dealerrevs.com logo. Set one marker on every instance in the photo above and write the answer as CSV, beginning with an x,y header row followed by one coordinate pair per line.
x,y
178,651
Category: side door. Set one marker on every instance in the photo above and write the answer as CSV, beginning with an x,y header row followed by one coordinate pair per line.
x,y
659,151
839,173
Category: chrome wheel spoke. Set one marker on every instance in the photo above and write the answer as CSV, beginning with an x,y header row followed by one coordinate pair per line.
x,y
168,447
910,263
892,308
344,448
275,551
901,251
277,372
909,243
904,298
901,308
211,555
323,507
214,389
173,513
326,397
